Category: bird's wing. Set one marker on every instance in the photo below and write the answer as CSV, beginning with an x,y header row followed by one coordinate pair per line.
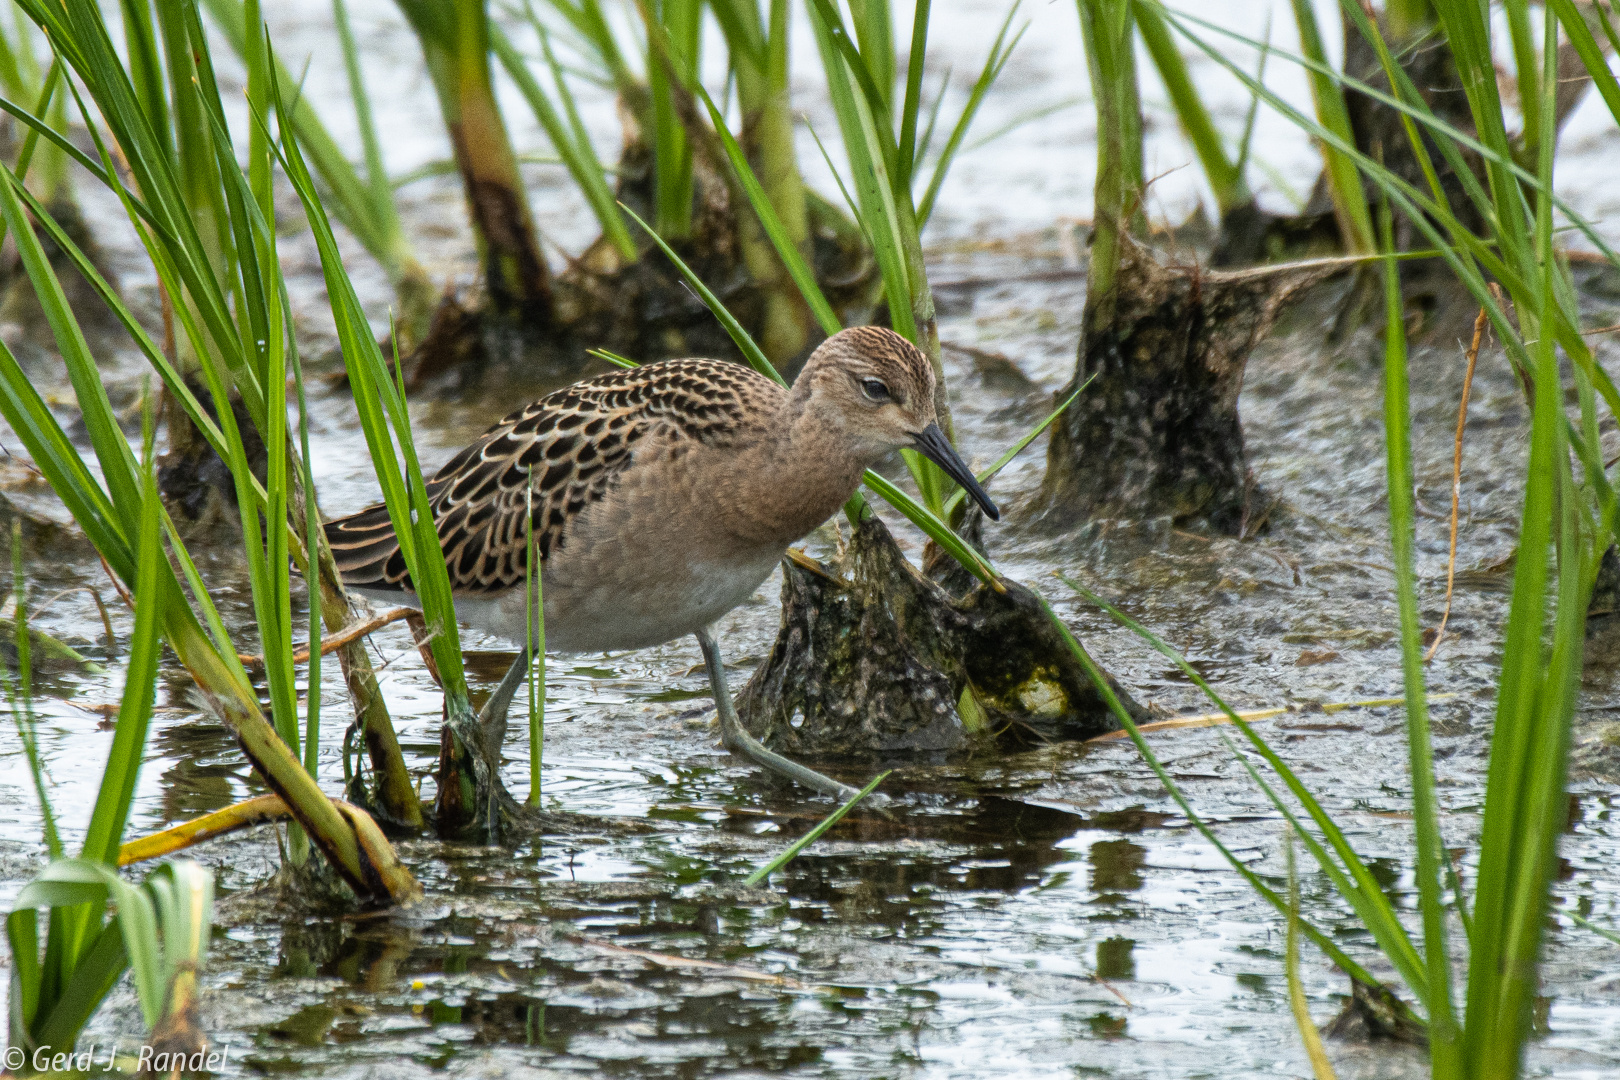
x,y
553,459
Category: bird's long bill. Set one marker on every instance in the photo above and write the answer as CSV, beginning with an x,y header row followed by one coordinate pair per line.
x,y
932,444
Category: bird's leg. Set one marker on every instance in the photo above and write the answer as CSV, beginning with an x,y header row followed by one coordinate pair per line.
x,y
734,738
492,717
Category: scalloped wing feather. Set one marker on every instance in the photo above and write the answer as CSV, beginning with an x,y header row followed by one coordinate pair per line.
x,y
547,462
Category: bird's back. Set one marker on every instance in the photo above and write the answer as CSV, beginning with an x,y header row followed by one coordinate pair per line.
x,y
547,463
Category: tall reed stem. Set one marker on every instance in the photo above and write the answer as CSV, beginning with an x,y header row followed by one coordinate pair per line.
x,y
455,40
1106,27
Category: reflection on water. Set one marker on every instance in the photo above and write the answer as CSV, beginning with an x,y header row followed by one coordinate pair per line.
x,y
1114,958
1116,868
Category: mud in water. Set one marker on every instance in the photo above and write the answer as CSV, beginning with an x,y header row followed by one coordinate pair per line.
x,y
876,661
1038,913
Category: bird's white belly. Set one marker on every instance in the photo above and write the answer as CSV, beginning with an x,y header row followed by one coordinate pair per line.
x,y
638,614
611,615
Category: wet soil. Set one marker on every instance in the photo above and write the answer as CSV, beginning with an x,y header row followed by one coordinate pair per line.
x,y
1040,913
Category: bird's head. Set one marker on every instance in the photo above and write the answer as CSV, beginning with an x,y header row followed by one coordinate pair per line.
x,y
877,389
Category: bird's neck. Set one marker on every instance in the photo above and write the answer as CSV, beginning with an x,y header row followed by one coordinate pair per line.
x,y
799,478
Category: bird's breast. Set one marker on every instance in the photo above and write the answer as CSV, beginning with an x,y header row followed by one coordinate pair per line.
x,y
649,563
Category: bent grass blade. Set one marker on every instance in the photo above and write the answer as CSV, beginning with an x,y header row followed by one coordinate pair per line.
x,y
814,834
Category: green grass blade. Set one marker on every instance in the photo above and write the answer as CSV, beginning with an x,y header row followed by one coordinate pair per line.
x,y
786,250
744,31
110,815
959,495
910,152
673,27
1321,1067
172,380
591,173
382,192
843,189
31,140
869,146
1590,52
219,636
573,148
868,73
44,129
1444,1030
59,462
1225,176
353,200
17,59
931,524
1344,182
1246,139
1525,808
20,691
72,883
1000,52
178,224
534,647
1526,77
96,971
146,67
926,142
27,975
814,834
112,449
312,541
873,21
1606,934
612,358
745,343
1365,894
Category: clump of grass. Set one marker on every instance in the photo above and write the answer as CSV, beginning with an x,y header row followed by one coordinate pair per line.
x,y
674,169
1167,341
361,198
160,929
455,37
214,253
380,402
213,249
1567,523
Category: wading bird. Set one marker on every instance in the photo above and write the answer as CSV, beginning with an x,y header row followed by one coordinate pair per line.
x,y
661,498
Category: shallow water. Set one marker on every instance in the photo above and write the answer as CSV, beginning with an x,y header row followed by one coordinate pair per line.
x,y
1039,914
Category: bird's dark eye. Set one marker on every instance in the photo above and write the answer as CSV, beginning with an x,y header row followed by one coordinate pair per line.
x,y
874,389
